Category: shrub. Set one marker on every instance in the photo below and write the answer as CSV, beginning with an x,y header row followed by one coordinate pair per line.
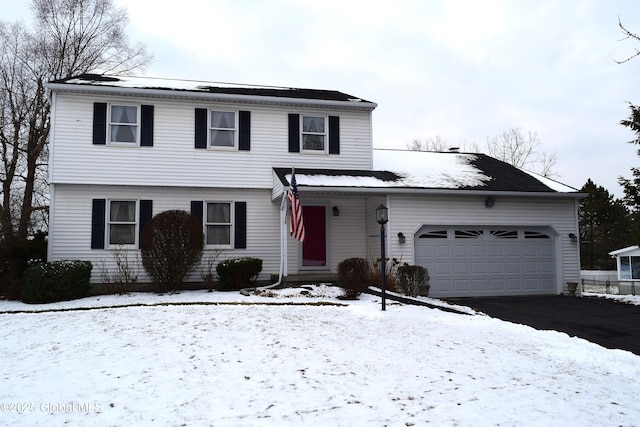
x,y
15,257
354,276
413,280
171,245
391,278
207,268
121,279
56,281
238,273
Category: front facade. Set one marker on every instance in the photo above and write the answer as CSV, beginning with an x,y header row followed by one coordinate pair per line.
x,y
125,149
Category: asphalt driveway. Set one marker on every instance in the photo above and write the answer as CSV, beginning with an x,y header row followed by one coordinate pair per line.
x,y
603,321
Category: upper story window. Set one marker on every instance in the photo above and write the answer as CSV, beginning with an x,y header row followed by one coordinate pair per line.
x,y
123,124
121,228
222,128
314,133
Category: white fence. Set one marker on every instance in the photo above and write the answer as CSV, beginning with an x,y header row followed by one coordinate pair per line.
x,y
599,281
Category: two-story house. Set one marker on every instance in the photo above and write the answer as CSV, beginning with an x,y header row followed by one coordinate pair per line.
x,y
123,149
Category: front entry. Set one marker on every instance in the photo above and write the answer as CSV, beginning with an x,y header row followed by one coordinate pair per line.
x,y
314,248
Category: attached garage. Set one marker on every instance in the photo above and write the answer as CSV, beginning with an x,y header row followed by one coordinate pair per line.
x,y
465,261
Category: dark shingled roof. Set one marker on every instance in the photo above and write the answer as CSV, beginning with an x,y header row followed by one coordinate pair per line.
x,y
505,177
211,87
381,175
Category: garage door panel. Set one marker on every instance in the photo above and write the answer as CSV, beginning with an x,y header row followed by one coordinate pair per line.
x,y
479,268
460,251
512,267
442,251
487,264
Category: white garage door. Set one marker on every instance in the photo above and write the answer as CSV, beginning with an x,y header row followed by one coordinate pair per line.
x,y
486,261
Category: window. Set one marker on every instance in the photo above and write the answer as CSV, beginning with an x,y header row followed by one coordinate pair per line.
x,y
535,235
468,234
435,234
630,267
313,133
222,129
122,222
123,124
218,223
504,234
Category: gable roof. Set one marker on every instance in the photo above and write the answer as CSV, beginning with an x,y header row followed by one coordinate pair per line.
x,y
402,171
218,90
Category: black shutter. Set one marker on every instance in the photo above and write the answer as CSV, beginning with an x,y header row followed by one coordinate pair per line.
x,y
146,212
197,210
98,222
99,123
334,135
244,135
294,133
240,223
201,128
146,130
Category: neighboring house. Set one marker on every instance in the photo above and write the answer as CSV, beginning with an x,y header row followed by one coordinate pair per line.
x,y
123,149
628,266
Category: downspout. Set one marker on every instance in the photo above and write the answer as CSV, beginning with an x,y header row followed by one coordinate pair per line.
x,y
283,250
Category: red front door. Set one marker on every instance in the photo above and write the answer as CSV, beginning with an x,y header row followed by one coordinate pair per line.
x,y
314,248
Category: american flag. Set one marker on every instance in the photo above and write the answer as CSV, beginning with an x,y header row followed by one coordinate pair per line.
x,y
296,224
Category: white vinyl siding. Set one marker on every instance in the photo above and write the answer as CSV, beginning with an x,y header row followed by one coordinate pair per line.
x,y
174,161
70,229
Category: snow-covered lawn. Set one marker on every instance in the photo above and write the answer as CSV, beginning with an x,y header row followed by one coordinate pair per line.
x,y
318,362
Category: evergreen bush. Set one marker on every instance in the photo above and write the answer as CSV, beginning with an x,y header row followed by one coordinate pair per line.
x,y
354,276
56,281
238,273
171,246
15,257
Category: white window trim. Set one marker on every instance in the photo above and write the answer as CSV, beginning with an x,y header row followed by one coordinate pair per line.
x,y
108,223
325,149
629,279
138,124
232,225
236,129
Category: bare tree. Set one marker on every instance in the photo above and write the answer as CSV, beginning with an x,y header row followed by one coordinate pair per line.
x,y
628,34
69,37
439,143
522,151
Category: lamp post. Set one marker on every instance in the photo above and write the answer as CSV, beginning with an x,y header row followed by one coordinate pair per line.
x,y
382,217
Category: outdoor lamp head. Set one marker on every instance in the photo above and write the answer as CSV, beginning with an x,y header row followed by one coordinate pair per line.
x,y
382,214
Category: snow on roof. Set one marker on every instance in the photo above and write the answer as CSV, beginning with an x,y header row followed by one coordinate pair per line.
x,y
430,169
628,250
411,170
553,184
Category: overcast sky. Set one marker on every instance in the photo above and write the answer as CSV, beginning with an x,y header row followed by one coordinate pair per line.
x,y
466,70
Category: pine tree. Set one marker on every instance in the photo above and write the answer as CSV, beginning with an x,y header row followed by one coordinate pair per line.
x,y
605,223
